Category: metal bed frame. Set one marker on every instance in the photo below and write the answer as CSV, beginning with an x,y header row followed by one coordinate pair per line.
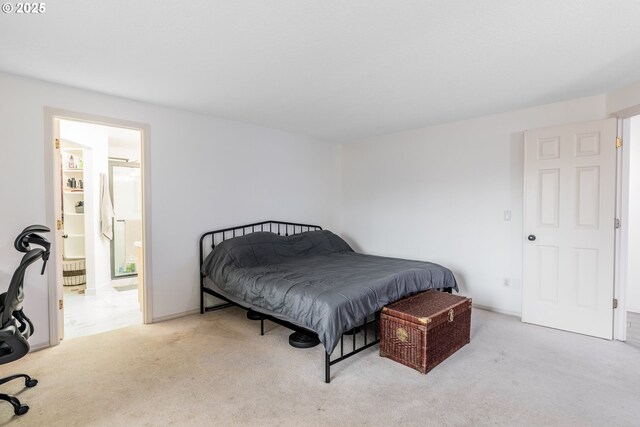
x,y
211,238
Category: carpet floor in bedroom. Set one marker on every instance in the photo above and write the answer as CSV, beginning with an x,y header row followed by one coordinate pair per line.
x,y
217,370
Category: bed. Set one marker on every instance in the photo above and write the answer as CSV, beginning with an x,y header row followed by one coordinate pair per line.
x,y
310,280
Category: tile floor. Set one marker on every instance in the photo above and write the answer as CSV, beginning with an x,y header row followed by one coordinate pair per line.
x,y
108,309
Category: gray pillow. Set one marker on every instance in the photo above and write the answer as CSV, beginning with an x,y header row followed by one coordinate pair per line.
x,y
262,248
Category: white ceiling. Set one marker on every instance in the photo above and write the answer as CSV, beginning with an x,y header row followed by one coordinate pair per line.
x,y
335,69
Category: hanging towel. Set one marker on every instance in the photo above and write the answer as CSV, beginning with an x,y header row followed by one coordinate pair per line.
x,y
106,208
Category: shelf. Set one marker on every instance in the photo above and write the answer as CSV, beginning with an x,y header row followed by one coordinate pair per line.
x,y
80,170
73,192
72,149
73,214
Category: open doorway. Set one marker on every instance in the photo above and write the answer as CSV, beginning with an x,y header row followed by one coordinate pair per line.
x,y
98,200
632,153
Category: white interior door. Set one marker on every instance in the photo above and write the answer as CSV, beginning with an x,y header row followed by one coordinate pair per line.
x,y
57,201
569,227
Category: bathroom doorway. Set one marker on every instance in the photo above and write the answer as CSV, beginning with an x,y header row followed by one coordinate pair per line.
x,y
630,247
97,171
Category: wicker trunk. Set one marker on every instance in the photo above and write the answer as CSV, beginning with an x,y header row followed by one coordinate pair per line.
x,y
424,329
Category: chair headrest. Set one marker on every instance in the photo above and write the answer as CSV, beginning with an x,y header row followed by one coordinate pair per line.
x,y
28,236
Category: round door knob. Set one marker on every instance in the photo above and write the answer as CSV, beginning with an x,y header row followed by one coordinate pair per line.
x,y
531,237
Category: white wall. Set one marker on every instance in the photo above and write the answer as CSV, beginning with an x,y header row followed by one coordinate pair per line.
x,y
439,193
633,272
435,193
206,173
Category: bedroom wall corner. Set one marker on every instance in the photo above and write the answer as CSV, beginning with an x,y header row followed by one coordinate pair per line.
x,y
624,101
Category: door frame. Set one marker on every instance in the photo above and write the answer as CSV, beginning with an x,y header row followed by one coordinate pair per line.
x,y
50,115
621,261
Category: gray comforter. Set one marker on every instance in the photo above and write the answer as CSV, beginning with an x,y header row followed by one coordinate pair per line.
x,y
316,279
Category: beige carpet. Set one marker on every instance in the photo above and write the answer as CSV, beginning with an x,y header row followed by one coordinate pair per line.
x,y
217,370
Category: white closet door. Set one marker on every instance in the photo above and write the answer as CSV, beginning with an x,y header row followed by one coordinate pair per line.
x,y
569,227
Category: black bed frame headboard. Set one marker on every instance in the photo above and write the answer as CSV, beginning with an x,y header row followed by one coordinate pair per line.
x,y
210,239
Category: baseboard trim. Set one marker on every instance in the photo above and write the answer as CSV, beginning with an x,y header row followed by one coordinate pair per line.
x,y
497,310
39,347
174,316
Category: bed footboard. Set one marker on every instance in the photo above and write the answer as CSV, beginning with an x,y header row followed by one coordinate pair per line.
x,y
368,332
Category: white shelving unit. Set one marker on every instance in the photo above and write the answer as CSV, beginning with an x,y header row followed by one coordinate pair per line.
x,y
73,248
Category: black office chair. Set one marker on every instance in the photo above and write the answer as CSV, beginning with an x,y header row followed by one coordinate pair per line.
x,y
16,327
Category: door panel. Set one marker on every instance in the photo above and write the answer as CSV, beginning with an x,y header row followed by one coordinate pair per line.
x,y
569,227
548,197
